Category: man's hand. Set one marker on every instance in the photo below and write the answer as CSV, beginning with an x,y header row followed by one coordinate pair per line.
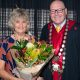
x,y
40,78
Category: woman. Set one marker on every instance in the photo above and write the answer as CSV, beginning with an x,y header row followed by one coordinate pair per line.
x,y
19,23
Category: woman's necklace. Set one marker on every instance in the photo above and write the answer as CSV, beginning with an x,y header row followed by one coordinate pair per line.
x,y
62,48
19,37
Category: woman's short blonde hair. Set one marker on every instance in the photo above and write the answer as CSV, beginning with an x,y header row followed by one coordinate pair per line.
x,y
18,13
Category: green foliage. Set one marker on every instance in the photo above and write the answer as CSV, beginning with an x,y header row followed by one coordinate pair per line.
x,y
30,53
20,45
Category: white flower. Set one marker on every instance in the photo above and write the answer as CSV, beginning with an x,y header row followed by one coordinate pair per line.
x,y
29,45
55,67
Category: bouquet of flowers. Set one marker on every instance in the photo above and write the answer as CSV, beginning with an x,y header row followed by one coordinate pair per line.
x,y
31,57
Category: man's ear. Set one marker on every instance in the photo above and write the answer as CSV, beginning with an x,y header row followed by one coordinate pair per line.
x,y
66,11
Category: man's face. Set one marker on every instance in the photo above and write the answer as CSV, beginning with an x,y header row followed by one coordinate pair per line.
x,y
58,12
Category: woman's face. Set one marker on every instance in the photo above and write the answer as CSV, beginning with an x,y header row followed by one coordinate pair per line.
x,y
20,25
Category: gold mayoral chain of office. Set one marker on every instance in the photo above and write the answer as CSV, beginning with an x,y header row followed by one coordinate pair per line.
x,y
62,48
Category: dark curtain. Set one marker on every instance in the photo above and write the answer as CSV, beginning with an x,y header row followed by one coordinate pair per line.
x,y
38,13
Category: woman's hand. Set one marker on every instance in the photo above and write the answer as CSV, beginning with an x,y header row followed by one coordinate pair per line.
x,y
17,79
7,75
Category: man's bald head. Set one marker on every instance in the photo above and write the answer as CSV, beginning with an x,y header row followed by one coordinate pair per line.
x,y
57,2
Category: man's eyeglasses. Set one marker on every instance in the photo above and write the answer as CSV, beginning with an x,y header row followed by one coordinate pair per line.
x,y
53,11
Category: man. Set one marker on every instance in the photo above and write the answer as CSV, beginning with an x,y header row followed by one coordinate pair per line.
x,y
63,34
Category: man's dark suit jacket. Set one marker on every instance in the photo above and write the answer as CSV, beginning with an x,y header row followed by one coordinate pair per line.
x,y
72,62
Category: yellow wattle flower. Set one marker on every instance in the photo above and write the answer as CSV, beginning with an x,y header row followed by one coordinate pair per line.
x,y
35,53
